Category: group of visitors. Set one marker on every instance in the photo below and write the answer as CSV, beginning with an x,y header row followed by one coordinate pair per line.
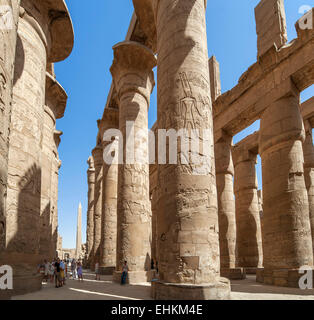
x,y
59,270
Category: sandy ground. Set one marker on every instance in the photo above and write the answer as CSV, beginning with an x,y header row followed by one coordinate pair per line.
x,y
105,289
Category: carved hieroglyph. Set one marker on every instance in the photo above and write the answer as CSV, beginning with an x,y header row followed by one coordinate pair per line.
x,y
134,80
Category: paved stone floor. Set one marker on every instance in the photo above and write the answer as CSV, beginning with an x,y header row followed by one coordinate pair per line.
x,y
105,289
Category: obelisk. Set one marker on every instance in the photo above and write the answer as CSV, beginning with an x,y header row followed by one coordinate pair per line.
x,y
79,233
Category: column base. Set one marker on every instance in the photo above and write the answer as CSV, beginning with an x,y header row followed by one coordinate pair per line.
x,y
233,273
23,284
172,291
107,271
134,277
280,277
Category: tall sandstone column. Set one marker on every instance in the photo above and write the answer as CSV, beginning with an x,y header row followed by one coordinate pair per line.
x,y
309,172
8,39
108,252
226,208
90,210
134,81
39,40
98,162
55,104
287,241
249,233
188,240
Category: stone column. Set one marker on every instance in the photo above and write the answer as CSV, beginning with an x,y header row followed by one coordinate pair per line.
x,y
287,241
309,171
188,240
7,55
226,208
78,248
90,211
108,252
55,104
39,41
56,165
98,162
249,234
134,82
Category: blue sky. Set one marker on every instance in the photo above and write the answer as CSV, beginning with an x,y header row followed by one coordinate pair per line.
x,y
100,24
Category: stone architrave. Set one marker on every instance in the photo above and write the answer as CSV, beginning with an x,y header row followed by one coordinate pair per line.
x,y
108,253
249,234
308,149
39,42
134,81
287,241
187,222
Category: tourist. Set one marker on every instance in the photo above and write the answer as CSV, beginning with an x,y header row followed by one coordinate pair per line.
x,y
46,271
73,269
125,270
62,270
57,274
80,271
51,271
97,271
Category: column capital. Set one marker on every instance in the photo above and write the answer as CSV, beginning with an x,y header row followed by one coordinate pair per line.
x,y
132,68
56,97
98,156
59,25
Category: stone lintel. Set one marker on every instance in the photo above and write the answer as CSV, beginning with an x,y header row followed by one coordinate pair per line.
x,y
241,106
56,97
241,154
271,27
249,143
145,12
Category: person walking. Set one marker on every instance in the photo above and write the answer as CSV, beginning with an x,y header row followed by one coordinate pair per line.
x,y
80,271
125,270
46,271
97,271
57,274
73,269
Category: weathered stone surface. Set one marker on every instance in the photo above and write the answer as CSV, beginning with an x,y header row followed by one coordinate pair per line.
x,y
271,26
29,184
308,150
7,53
90,211
108,254
134,81
287,242
98,163
249,234
187,202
